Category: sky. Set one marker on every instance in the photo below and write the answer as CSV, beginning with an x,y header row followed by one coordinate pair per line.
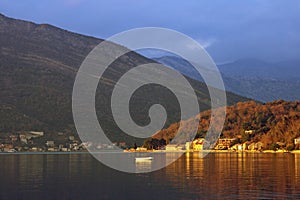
x,y
229,30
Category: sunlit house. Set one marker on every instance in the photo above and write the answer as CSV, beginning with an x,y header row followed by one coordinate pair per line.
x,y
225,143
198,144
297,140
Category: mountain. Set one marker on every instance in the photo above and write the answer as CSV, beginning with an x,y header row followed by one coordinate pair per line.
x,y
252,78
180,65
272,122
284,70
262,80
38,64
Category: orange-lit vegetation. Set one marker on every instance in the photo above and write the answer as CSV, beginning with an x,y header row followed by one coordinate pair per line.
x,y
271,123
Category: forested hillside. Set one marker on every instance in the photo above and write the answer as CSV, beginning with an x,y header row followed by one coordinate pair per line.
x,y
273,122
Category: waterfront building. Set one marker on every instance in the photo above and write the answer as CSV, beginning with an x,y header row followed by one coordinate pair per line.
x,y
174,147
225,143
198,144
297,140
188,145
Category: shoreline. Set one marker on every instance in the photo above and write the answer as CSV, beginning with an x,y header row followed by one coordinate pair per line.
x,y
148,151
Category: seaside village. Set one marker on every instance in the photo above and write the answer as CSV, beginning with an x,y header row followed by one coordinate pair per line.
x,y
34,141
227,144
37,141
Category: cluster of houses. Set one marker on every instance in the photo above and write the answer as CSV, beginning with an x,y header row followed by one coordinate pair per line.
x,y
19,142
72,145
195,145
231,144
36,141
27,141
112,146
222,144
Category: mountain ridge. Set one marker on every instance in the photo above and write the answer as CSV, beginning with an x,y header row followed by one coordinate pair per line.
x,y
257,82
38,66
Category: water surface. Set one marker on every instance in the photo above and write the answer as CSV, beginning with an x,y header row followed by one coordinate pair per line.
x,y
217,176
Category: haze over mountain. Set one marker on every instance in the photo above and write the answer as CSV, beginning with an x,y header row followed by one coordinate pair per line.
x,y
251,67
38,64
252,78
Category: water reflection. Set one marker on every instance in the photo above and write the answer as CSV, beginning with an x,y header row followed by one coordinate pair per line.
x,y
237,175
143,166
297,168
217,176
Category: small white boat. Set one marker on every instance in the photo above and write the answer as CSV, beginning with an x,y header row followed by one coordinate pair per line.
x,y
141,159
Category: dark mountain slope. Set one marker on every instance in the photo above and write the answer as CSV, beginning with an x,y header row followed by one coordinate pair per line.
x,y
38,65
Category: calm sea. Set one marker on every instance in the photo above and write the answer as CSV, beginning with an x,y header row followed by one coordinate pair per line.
x,y
217,176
